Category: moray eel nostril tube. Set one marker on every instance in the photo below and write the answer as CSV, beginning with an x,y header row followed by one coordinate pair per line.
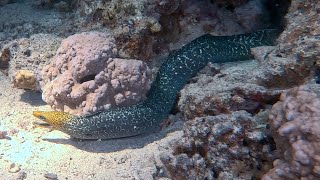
x,y
174,73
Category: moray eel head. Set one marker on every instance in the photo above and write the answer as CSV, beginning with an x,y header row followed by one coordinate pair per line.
x,y
54,118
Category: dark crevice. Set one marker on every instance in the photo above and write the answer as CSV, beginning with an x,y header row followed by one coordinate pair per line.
x,y
277,9
317,75
87,78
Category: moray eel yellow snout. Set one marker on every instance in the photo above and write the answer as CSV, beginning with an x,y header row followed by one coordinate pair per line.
x,y
54,118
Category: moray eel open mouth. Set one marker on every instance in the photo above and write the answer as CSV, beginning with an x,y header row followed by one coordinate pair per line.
x,y
174,73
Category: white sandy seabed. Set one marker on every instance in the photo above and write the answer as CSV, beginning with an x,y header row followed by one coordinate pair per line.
x,y
30,152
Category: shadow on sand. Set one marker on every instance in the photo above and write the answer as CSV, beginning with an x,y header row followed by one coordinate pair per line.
x,y
32,97
113,145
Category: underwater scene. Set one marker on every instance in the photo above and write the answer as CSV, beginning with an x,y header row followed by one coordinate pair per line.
x,y
159,89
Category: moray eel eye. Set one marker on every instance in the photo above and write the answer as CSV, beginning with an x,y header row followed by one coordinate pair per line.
x,y
42,118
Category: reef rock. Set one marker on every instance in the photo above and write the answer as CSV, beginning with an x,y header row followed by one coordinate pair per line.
x,y
225,89
4,2
300,40
295,123
234,146
27,56
25,79
254,87
86,76
144,29
133,23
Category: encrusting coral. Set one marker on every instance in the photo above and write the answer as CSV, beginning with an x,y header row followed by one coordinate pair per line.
x,y
25,79
85,76
295,123
227,146
143,29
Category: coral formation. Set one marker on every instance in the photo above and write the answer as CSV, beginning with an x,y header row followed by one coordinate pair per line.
x,y
234,146
132,25
226,89
25,79
277,71
29,55
144,28
86,76
295,122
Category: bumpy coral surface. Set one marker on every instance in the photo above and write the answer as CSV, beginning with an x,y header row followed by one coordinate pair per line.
x,y
86,76
25,79
295,122
233,146
231,88
143,29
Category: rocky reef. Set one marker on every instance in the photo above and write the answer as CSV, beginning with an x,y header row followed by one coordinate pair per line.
x,y
282,137
244,120
295,122
226,146
144,28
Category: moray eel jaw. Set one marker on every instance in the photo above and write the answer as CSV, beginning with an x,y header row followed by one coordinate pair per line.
x,y
54,118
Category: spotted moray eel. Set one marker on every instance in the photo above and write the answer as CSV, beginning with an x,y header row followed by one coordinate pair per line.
x,y
179,67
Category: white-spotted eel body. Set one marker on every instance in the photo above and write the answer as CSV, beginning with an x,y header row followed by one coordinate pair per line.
x,y
174,73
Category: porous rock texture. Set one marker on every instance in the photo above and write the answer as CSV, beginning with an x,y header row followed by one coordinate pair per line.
x,y
295,123
226,89
233,146
143,29
85,76
25,79
132,21
27,56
